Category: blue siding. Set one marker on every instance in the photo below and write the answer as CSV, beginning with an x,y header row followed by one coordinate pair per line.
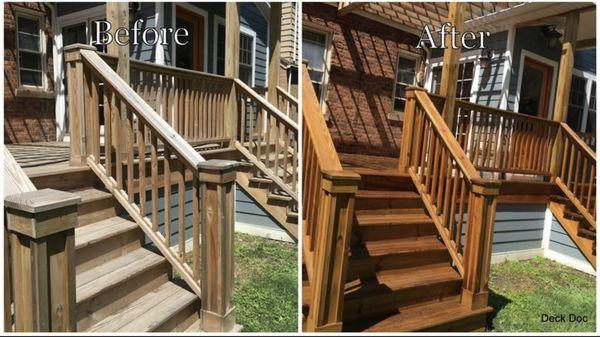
x,y
251,18
246,211
490,79
142,51
561,242
531,39
518,227
585,60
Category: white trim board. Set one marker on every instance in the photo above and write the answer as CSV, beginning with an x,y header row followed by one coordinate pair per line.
x,y
258,230
539,58
571,262
507,68
517,255
469,56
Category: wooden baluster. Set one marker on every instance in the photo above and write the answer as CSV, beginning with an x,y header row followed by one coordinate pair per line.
x,y
92,113
591,189
577,172
276,138
243,109
268,131
118,142
251,129
154,172
461,213
259,127
108,108
218,184
142,166
571,161
331,251
295,164
196,225
130,156
478,244
181,208
167,195
286,146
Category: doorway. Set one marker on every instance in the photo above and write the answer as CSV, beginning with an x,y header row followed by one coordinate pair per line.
x,y
191,55
536,86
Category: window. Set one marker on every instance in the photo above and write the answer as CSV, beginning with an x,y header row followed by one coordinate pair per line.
x,y
576,102
405,76
314,49
103,48
220,65
591,117
246,58
464,83
30,44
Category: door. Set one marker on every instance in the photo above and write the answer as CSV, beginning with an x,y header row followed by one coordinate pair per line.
x,y
190,55
536,84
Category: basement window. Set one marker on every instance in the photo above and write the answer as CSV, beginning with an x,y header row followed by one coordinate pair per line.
x,y
30,51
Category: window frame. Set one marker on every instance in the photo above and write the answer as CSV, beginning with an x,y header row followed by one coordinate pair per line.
x,y
328,33
39,17
470,56
589,79
252,34
407,56
243,30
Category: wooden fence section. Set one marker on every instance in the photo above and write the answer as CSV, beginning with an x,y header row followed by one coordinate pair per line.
x,y
193,103
502,141
128,164
327,216
268,138
461,203
576,175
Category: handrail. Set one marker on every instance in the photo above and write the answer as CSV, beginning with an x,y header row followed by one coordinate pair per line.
x,y
461,204
502,141
131,130
287,103
167,134
268,138
589,138
327,214
576,176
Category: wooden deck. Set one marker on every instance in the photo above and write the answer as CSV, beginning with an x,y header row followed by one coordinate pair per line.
x,y
38,157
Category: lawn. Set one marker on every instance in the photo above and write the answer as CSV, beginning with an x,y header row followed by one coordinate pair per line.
x,y
521,292
266,284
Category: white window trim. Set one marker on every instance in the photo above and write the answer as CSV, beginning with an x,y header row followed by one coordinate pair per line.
x,y
70,19
589,78
536,57
252,34
328,42
195,10
470,56
408,56
159,20
218,21
25,13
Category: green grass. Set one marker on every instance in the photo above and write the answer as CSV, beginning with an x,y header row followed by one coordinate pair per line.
x,y
266,284
521,291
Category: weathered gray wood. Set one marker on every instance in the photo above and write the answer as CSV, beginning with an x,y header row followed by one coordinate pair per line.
x,y
15,179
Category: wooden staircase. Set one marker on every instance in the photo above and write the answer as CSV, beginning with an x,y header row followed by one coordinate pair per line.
x,y
122,284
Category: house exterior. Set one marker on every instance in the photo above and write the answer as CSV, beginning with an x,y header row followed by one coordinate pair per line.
x,y
361,61
36,100
62,24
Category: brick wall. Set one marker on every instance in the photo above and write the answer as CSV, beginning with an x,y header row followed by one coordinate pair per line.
x,y
361,79
27,118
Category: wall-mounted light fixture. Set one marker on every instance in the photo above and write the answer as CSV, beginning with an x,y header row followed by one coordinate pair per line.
x,y
485,59
552,35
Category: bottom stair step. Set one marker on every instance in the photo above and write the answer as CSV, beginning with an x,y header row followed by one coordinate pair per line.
x,y
447,316
154,311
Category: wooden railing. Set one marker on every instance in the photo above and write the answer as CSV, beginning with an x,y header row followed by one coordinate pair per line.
x,y
576,173
589,138
502,141
327,216
268,138
193,103
461,203
287,104
129,161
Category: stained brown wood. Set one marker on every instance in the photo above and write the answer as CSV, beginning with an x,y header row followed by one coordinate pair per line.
x,y
451,62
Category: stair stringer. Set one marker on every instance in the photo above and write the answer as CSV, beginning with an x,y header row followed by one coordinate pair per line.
x,y
259,195
584,245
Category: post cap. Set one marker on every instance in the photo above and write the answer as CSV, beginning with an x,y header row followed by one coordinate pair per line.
x,y
41,201
76,46
218,164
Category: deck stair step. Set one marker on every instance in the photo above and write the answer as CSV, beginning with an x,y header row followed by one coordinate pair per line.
x,y
393,289
439,316
107,287
104,240
393,219
155,311
96,204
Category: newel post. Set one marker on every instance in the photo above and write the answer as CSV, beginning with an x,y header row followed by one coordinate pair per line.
x,y
41,227
408,128
334,225
478,243
76,102
217,178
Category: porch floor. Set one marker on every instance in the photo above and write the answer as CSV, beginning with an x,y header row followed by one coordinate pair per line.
x,y
37,157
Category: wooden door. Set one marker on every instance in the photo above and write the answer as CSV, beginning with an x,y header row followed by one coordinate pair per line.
x,y
191,55
536,85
